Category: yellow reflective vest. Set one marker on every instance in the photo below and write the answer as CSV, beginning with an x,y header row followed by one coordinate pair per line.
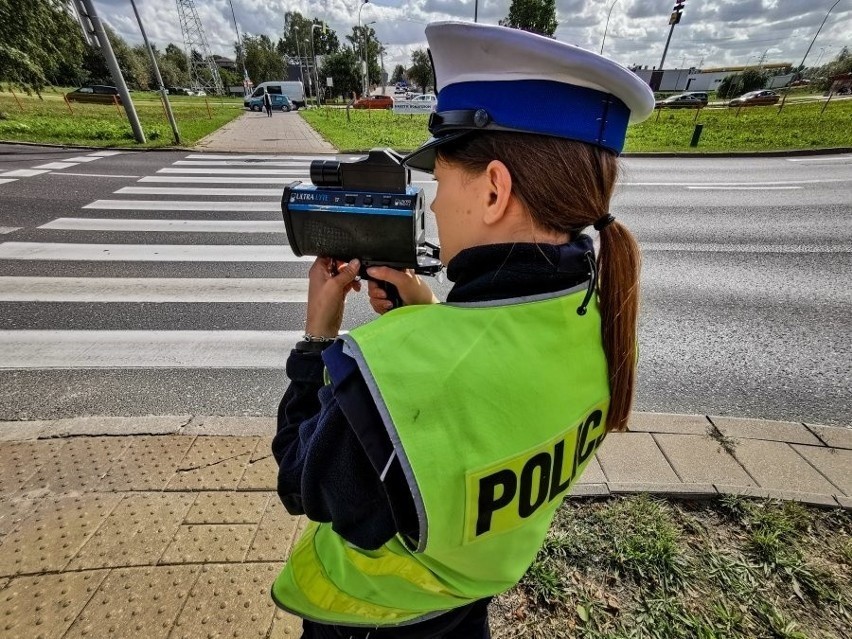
x,y
494,409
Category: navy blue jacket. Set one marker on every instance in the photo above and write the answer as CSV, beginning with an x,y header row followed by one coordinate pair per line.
x,y
331,445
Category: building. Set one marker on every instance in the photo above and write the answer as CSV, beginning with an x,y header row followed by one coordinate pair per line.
x,y
709,79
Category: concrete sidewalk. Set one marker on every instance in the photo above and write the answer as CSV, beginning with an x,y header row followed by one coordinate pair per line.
x,y
257,133
170,527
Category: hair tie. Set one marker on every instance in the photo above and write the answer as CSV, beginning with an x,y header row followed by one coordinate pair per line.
x,y
604,222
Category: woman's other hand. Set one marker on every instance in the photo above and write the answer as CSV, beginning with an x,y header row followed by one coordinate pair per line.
x,y
412,289
327,294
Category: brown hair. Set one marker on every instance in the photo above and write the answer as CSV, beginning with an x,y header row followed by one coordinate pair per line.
x,y
566,186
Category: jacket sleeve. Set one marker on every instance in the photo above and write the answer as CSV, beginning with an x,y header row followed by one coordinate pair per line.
x,y
323,469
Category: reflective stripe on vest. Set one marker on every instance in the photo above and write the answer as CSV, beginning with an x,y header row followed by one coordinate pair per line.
x,y
494,410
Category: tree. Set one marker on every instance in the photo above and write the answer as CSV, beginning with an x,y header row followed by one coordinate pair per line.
x,y
398,74
739,83
40,42
420,71
358,38
263,62
296,37
342,68
536,16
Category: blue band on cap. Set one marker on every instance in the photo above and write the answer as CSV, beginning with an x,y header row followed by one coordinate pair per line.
x,y
545,107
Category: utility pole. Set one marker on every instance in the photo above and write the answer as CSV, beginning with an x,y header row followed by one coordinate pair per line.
x,y
164,95
89,18
606,27
673,20
240,53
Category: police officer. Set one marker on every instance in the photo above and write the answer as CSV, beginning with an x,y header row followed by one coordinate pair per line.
x,y
431,447
267,103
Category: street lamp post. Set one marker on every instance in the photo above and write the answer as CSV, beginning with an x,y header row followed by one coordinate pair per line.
x,y
316,71
366,55
611,7
364,67
802,65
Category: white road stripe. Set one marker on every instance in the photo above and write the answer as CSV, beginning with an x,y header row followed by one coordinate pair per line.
x,y
7,180
8,229
825,158
103,154
98,175
744,248
304,172
298,158
155,290
159,190
148,252
783,183
82,158
306,166
192,179
179,226
28,349
53,166
22,173
744,188
178,205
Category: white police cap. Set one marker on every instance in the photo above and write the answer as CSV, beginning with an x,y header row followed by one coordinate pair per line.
x,y
492,78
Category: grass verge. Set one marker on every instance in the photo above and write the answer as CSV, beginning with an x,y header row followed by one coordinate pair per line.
x,y
643,567
47,119
798,126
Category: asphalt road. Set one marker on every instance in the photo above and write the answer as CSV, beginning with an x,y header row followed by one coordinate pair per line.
x,y
746,311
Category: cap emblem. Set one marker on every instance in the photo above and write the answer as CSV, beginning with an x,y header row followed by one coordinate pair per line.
x,y
481,118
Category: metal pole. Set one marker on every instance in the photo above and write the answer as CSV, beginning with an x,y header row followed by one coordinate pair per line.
x,y
115,71
475,9
606,28
164,95
364,51
802,65
666,50
240,49
316,71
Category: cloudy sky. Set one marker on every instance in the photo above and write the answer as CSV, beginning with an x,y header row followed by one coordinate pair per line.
x,y
711,33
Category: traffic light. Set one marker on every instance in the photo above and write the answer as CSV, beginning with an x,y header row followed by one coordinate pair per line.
x,y
677,11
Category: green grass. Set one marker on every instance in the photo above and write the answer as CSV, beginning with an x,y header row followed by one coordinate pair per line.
x,y
731,568
48,119
798,126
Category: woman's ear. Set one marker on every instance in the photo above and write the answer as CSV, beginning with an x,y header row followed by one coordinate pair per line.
x,y
498,192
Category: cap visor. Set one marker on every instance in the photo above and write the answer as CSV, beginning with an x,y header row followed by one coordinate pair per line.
x,y
423,159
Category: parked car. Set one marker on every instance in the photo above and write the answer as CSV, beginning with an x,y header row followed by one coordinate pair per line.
x,y
423,97
374,102
844,91
279,101
293,89
691,100
98,93
755,98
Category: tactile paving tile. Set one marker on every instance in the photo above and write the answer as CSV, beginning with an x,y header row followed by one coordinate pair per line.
x,y
213,463
148,464
227,508
15,509
277,532
229,601
19,461
44,606
136,533
79,465
48,539
136,602
261,474
285,626
207,543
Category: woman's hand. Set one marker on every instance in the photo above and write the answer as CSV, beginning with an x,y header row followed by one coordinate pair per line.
x,y
412,289
327,294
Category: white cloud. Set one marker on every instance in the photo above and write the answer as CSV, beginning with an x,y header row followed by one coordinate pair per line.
x,y
717,33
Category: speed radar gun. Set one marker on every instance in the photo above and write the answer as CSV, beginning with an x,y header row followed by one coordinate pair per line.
x,y
365,209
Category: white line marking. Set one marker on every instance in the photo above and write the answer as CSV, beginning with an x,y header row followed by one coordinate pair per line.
x,y
98,175
155,290
7,180
744,188
82,158
304,172
180,226
191,179
785,182
744,248
22,173
148,252
297,158
158,190
8,229
305,166
103,154
177,205
28,349
53,166
832,158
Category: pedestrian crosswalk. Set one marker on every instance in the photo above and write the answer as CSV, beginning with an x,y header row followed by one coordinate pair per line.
x,y
198,236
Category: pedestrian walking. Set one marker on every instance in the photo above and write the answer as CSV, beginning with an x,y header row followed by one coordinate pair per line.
x,y
431,447
267,103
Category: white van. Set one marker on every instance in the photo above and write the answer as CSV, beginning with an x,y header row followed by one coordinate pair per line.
x,y
293,90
